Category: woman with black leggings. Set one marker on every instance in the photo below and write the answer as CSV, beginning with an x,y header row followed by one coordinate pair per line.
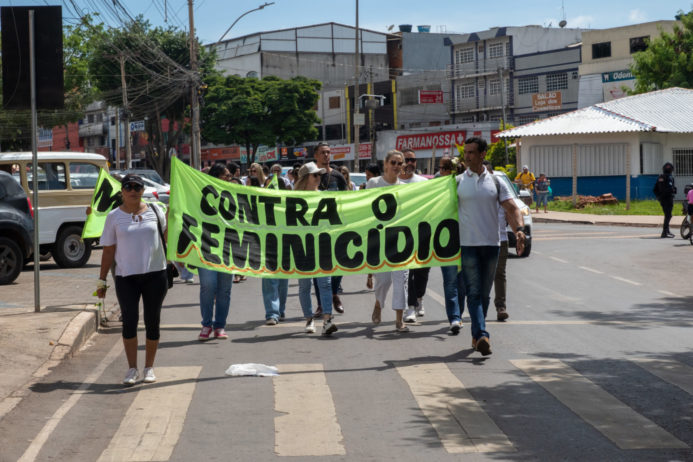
x,y
131,238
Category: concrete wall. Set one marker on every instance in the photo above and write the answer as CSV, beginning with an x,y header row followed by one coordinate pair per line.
x,y
532,39
410,113
241,65
424,51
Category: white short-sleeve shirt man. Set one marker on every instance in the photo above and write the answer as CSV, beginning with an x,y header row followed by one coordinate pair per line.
x,y
478,204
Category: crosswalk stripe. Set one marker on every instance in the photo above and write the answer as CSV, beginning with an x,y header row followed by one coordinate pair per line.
x,y
461,424
622,425
308,426
674,372
153,422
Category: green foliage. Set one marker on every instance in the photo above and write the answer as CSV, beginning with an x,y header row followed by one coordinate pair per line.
x,y
496,152
251,112
644,207
668,60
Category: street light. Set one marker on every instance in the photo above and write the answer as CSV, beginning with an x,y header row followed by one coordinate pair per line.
x,y
238,18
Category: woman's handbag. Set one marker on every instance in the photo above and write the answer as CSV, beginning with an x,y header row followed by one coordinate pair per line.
x,y
171,270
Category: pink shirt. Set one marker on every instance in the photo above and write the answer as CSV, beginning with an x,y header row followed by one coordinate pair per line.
x,y
689,196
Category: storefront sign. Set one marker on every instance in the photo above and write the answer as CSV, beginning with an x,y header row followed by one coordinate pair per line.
x,y
430,97
428,141
549,101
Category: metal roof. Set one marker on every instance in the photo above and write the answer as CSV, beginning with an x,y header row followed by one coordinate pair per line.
x,y
669,110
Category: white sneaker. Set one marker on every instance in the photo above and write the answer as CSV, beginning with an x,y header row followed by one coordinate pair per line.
x,y
131,377
420,311
410,315
328,327
455,327
149,376
310,326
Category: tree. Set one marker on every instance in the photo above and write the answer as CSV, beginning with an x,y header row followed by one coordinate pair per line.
x,y
157,79
251,112
668,60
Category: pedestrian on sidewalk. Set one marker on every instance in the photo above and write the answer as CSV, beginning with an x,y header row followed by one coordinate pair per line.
x,y
215,286
309,177
397,279
541,187
478,194
665,190
131,238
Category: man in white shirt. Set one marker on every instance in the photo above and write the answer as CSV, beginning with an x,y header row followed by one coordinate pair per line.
x,y
418,277
479,194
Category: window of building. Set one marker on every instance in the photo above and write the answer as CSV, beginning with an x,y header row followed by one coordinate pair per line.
x,y
496,50
90,118
601,50
639,44
334,102
464,55
99,117
557,81
494,87
528,85
465,91
525,119
112,120
408,96
683,161
480,48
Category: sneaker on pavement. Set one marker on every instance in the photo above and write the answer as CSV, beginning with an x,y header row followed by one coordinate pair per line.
x,y
220,333
410,315
149,376
310,326
205,334
337,304
455,327
189,280
420,310
329,328
483,346
131,377
282,317
271,322
501,314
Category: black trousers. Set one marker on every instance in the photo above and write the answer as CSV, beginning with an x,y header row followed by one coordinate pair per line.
x,y
152,288
418,280
667,206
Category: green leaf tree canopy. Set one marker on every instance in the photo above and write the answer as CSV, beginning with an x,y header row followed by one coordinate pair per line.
x,y
251,112
668,60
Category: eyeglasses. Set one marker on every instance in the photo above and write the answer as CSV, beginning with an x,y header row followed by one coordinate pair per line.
x,y
133,187
394,162
410,159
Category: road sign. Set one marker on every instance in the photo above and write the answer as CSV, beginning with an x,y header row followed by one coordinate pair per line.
x,y
137,126
359,119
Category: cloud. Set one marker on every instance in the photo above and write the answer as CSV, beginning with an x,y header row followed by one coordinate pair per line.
x,y
582,21
637,16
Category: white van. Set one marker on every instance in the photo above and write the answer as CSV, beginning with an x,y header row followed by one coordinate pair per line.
x,y
66,182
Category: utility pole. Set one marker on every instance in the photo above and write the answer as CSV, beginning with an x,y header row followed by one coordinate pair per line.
x,y
195,143
126,115
502,91
357,60
371,114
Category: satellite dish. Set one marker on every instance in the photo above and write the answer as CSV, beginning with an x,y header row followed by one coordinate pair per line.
x,y
562,23
390,27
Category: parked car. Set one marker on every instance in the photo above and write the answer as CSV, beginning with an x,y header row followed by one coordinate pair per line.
x,y
66,183
358,178
16,228
526,216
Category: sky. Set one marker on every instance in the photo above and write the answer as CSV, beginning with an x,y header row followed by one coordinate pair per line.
x,y
213,17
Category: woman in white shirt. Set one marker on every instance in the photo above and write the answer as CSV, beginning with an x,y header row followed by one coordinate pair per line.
x,y
397,279
132,240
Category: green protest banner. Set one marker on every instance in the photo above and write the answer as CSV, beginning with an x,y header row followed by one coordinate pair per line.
x,y
106,198
296,234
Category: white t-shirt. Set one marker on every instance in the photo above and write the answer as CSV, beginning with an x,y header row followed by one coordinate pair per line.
x,y
379,182
138,244
478,202
414,179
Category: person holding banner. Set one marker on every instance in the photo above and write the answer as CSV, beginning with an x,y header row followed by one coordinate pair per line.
x,y
215,286
255,171
132,240
397,279
308,180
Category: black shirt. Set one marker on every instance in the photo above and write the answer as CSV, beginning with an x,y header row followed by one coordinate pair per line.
x,y
332,181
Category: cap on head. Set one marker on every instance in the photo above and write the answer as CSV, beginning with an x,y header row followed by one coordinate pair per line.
x,y
524,167
132,178
310,168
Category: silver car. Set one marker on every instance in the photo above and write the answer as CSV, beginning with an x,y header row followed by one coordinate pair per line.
x,y
526,216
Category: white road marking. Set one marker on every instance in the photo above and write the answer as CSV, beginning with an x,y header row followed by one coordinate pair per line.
x,y
622,425
568,238
627,281
461,423
154,421
308,426
674,372
37,444
591,270
560,260
670,294
439,299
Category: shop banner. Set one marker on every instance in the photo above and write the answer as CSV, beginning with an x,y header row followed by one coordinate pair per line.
x,y
298,234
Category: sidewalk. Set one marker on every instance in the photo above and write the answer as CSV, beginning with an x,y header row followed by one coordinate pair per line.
x,y
33,343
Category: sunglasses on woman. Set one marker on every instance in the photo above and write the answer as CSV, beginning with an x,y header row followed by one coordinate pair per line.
x,y
133,187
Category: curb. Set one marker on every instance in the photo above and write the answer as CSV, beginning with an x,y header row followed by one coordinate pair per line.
x,y
593,222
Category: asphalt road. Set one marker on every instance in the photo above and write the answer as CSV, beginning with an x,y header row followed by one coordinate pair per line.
x,y
595,363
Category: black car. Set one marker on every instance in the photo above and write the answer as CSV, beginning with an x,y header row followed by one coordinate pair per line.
x,y
16,228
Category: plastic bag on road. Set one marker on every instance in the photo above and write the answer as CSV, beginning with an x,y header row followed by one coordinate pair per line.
x,y
258,370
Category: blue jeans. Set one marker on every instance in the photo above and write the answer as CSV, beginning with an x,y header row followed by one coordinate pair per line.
x,y
325,294
478,271
214,285
274,292
453,289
